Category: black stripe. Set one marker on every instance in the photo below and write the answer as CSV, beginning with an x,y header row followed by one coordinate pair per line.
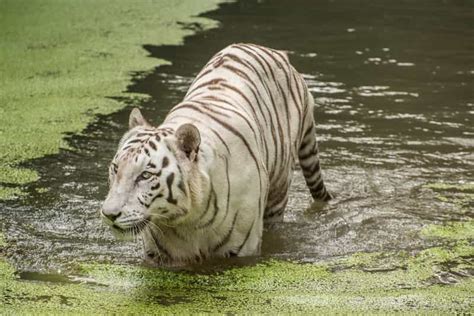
x,y
208,204
233,111
301,97
169,182
311,153
308,131
181,186
259,60
312,183
214,81
224,218
287,72
189,103
135,140
252,108
278,194
280,90
319,187
256,94
251,85
246,238
147,152
159,195
228,185
315,167
227,235
152,144
202,74
213,108
143,134
162,249
269,53
216,210
221,139
251,68
141,202
165,163
279,211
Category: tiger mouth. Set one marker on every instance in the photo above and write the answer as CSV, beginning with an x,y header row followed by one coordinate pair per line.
x,y
136,229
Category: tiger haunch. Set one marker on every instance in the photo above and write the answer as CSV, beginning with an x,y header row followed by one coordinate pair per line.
x,y
202,183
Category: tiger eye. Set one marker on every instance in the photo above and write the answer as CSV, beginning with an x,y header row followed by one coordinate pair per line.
x,y
144,175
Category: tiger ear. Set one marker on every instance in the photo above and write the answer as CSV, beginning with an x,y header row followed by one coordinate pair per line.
x,y
189,140
136,119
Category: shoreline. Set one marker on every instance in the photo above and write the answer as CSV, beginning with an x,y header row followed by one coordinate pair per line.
x,y
65,63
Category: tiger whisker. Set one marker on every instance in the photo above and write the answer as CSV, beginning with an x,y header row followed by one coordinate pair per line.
x,y
164,222
153,225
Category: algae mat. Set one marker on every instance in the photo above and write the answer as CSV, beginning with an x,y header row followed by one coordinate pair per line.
x,y
379,282
63,62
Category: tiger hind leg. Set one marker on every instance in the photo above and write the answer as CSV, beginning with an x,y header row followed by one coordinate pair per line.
x,y
276,203
309,161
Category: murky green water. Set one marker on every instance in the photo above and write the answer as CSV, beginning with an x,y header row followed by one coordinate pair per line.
x,y
394,84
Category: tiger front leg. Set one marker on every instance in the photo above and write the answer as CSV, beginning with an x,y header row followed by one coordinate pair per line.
x,y
249,229
151,249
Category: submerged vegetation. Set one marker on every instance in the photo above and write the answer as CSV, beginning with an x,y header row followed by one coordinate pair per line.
x,y
63,62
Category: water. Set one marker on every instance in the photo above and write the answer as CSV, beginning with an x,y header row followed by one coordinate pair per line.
x,y
394,84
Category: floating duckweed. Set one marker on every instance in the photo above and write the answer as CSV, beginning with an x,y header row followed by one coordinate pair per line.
x,y
96,45
3,243
462,187
7,193
354,285
455,230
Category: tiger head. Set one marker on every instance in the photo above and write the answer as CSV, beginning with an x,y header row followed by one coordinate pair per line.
x,y
151,177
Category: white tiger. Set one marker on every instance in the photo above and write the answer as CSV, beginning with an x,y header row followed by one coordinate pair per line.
x,y
202,183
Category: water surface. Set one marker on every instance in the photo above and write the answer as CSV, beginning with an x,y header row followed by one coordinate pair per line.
x,y
393,81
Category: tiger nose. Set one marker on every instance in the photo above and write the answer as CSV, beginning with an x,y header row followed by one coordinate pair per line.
x,y
111,213
112,217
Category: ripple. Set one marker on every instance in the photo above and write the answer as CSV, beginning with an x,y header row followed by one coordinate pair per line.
x,y
382,91
403,116
405,64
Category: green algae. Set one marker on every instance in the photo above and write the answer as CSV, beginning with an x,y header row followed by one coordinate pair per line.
x,y
9,193
343,285
62,61
454,231
441,186
459,194
3,243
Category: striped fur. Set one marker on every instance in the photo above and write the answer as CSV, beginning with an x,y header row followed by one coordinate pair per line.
x,y
207,191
